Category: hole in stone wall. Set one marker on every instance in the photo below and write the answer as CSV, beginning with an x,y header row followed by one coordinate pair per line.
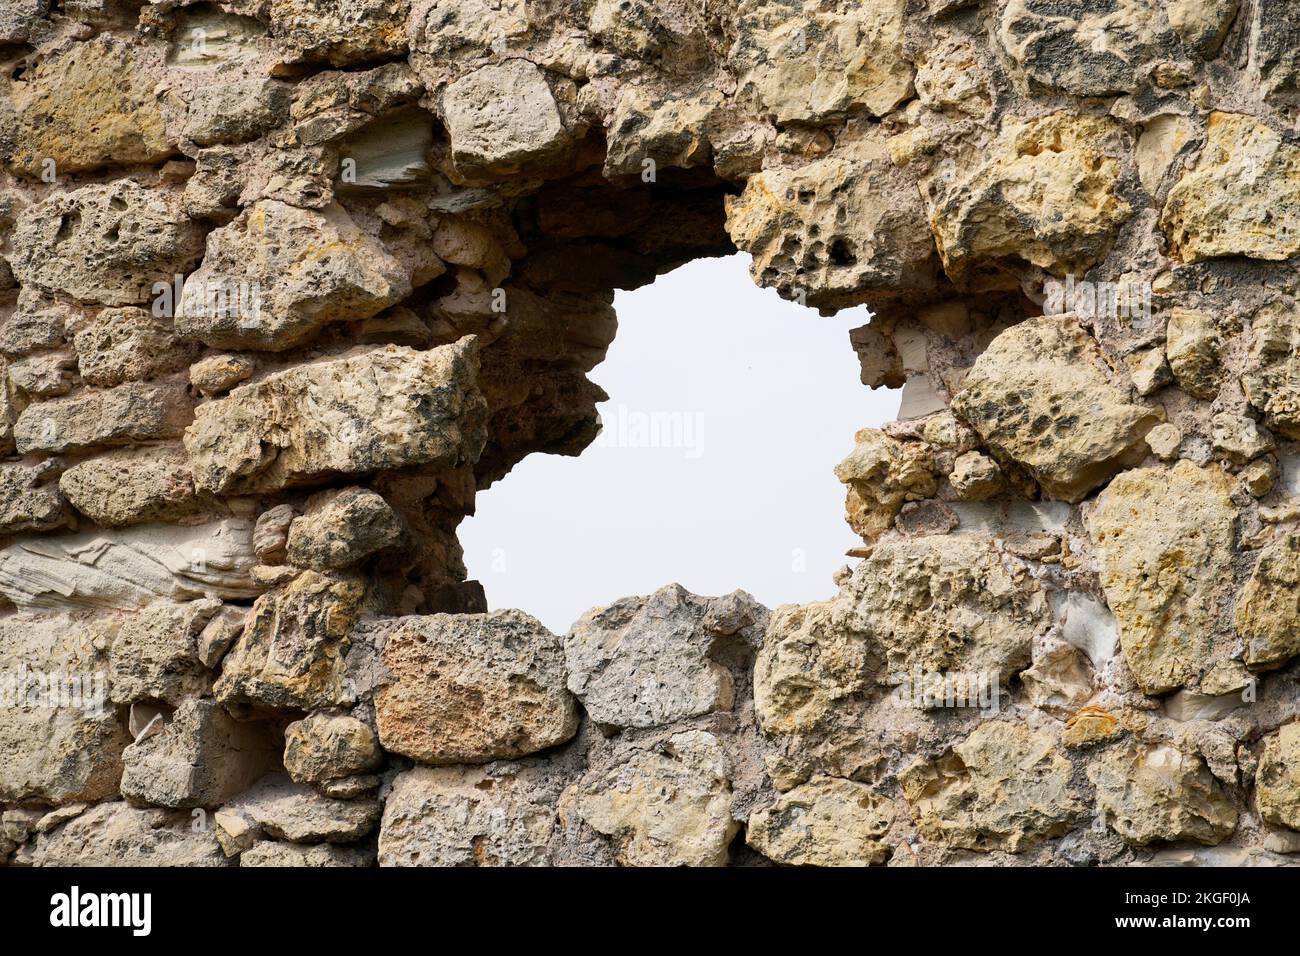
x,y
729,407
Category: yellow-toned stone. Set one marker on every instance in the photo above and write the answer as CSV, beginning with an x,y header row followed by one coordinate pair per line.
x,y
1044,192
1005,787
1268,610
1243,197
88,106
1163,537
824,61
825,822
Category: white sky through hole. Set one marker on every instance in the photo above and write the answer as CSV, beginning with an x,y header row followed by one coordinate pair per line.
x,y
760,399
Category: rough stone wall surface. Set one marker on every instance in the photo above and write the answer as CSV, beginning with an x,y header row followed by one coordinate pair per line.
x,y
284,283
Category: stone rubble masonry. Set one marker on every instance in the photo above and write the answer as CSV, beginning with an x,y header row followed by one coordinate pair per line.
x,y
276,306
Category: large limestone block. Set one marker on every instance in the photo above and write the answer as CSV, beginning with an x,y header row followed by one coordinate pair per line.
x,y
132,486
89,105
503,118
115,834
340,32
201,758
277,274
1163,538
825,822
812,659
1044,192
469,816
469,688
1043,395
1155,792
1005,787
645,662
1273,381
131,567
60,738
292,651
372,411
128,344
323,747
953,603
835,232
1277,781
823,61
130,413
1268,609
155,652
106,243
667,805
1243,197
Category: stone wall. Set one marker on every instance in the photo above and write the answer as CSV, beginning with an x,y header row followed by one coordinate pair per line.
x,y
284,283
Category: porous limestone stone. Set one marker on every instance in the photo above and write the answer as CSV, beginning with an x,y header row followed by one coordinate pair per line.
x,y
836,231
815,62
1155,792
1271,380
1005,787
116,834
668,805
1237,438
1269,605
342,528
124,415
1277,782
131,486
88,105
810,662
279,808
1044,192
975,477
340,33
1043,396
881,474
201,758
109,243
379,409
128,344
292,651
1241,199
324,747
825,822
951,603
277,274
30,498
503,118
60,738
646,662
1160,535
1055,45
469,816
470,688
